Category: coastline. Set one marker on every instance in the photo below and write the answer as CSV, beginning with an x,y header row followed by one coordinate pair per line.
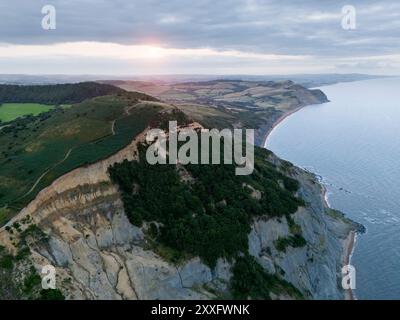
x,y
277,122
349,242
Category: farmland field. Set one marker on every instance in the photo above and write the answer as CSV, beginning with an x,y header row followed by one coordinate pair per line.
x,y
12,111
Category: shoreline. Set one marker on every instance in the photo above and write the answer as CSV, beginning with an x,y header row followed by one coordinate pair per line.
x,y
349,242
277,122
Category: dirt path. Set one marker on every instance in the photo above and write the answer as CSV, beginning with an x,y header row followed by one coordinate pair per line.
x,y
67,155
44,173
5,126
128,109
113,127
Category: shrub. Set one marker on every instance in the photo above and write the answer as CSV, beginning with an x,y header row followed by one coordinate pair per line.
x,y
250,281
295,241
7,261
51,294
31,281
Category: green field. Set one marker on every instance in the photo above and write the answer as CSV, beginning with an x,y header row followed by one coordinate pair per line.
x,y
12,111
36,150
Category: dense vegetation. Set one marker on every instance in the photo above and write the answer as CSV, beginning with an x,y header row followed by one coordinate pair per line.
x,y
55,94
210,216
249,281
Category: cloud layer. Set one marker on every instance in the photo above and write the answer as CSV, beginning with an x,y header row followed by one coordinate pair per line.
x,y
182,36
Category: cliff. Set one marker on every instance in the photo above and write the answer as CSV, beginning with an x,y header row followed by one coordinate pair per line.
x,y
99,254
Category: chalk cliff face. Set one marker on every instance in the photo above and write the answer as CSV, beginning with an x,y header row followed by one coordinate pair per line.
x,y
98,254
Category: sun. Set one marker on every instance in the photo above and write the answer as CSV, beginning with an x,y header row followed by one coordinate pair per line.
x,y
154,52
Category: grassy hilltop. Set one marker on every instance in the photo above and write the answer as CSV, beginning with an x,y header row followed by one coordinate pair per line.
x,y
17,101
12,111
36,150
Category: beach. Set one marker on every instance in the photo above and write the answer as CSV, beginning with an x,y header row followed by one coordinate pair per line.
x,y
277,122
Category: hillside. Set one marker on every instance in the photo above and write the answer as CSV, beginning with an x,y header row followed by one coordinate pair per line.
x,y
232,103
263,240
82,198
34,151
55,94
254,95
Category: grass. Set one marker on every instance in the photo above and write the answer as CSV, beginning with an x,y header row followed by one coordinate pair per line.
x,y
3,216
169,254
62,139
223,118
12,111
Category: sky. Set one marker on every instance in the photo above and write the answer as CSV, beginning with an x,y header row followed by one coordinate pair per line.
x,y
259,37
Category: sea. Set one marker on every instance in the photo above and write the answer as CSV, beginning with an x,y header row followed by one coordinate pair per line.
x,y
353,144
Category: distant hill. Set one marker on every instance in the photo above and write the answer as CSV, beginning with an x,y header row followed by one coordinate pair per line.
x,y
55,94
307,80
231,103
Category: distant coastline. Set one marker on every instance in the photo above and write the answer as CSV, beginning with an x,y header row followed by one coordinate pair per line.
x,y
277,122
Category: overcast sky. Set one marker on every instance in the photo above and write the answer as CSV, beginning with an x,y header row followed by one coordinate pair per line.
x,y
199,37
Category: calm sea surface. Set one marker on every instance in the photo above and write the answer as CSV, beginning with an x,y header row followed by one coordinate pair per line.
x,y
353,143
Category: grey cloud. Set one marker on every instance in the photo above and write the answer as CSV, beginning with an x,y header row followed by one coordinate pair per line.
x,y
308,27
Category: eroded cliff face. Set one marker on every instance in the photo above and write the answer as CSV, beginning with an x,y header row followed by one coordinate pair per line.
x,y
98,254
315,269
